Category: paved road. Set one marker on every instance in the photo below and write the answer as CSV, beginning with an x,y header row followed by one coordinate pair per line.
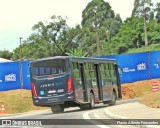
x,y
71,114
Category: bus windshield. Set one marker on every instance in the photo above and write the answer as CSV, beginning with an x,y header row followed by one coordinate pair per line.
x,y
49,67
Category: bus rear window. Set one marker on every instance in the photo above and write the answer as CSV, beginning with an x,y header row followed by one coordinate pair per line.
x,y
49,67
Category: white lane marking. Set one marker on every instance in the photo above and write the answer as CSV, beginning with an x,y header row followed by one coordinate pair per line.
x,y
86,116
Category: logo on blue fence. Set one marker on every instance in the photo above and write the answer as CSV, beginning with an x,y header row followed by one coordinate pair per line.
x,y
141,66
10,77
128,70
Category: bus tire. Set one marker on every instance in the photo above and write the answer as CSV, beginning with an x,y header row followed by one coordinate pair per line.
x,y
113,101
92,101
89,105
84,106
105,102
58,108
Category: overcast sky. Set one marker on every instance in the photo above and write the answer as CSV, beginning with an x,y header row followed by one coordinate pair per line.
x,y
18,16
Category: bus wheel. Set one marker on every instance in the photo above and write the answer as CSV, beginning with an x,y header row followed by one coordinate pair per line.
x,y
57,108
113,101
89,105
92,102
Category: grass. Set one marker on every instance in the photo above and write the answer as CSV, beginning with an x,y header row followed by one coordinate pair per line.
x,y
151,100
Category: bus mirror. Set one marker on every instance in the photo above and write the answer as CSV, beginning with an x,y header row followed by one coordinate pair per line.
x,y
120,70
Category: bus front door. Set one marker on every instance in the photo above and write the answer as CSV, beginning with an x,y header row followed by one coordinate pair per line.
x,y
99,84
118,80
84,87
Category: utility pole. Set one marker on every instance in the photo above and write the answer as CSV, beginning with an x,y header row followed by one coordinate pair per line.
x,y
97,36
145,31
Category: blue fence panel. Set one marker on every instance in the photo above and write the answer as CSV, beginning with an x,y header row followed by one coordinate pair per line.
x,y
9,76
155,64
135,66
26,75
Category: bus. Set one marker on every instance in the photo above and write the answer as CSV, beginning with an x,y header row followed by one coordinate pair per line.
x,y
64,81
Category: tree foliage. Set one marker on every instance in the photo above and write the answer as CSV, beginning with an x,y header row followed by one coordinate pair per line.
x,y
55,37
157,9
142,8
6,54
77,52
99,17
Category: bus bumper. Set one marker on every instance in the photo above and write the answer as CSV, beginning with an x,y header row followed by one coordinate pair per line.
x,y
49,101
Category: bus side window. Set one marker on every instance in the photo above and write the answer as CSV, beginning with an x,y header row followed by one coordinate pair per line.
x,y
53,70
75,68
109,68
41,70
76,75
113,70
60,70
88,76
35,70
48,71
103,73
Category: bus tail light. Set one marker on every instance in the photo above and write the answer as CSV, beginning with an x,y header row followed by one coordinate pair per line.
x,y
34,92
70,85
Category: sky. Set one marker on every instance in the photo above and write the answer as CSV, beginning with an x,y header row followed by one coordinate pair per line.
x,y
17,17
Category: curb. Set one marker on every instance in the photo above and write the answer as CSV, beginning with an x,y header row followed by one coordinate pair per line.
x,y
112,116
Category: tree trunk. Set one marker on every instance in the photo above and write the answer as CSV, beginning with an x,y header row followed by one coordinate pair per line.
x,y
145,31
97,36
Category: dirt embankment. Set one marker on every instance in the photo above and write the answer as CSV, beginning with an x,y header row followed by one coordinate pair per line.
x,y
17,101
136,89
144,91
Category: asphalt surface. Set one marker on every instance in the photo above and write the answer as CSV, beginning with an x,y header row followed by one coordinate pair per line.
x,y
103,116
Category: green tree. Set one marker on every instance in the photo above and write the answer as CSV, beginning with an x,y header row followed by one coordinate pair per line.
x,y
102,10
130,36
157,9
142,8
98,19
6,54
33,48
153,32
53,32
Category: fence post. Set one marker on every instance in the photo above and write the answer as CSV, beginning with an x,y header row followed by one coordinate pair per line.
x,y
21,77
149,65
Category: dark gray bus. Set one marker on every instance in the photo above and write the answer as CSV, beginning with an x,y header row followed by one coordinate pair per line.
x,y
63,81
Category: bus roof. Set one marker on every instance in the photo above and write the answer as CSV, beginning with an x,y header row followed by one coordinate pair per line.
x,y
82,59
